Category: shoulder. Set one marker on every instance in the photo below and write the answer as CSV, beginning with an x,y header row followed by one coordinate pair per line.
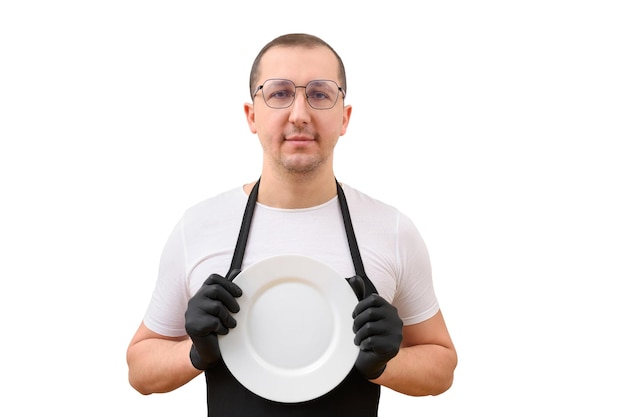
x,y
215,211
369,207
381,219
228,197
226,200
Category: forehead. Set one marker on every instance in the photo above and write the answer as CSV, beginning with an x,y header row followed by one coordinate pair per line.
x,y
299,64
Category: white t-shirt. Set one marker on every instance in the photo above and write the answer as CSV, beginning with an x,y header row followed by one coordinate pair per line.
x,y
202,243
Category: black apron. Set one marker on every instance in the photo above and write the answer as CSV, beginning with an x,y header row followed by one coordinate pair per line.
x,y
354,396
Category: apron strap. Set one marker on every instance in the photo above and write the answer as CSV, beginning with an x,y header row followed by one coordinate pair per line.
x,y
244,231
354,247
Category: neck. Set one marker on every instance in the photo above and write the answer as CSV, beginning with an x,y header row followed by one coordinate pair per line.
x,y
293,192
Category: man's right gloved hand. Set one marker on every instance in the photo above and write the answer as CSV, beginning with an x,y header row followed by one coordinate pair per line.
x,y
208,315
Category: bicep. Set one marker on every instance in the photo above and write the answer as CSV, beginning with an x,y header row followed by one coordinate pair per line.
x,y
432,331
144,333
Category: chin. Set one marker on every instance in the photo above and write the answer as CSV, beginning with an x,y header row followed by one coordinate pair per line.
x,y
301,166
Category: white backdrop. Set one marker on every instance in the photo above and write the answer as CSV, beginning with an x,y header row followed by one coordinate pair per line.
x,y
498,127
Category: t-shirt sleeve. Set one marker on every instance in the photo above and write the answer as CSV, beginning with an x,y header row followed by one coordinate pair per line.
x,y
166,311
416,300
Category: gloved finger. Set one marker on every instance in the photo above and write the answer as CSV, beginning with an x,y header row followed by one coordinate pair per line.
x,y
215,310
209,319
380,328
373,300
367,317
222,291
227,284
378,319
372,309
380,343
369,330
358,286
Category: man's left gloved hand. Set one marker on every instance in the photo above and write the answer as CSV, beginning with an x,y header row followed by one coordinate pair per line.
x,y
378,333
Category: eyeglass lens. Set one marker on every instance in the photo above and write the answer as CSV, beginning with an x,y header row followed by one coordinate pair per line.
x,y
280,94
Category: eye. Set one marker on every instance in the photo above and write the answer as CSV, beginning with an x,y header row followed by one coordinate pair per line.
x,y
281,94
322,92
318,95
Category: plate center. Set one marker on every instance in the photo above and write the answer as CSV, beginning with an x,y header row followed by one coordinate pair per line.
x,y
290,324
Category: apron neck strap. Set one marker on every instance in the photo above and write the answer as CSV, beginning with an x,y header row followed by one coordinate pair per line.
x,y
244,231
347,222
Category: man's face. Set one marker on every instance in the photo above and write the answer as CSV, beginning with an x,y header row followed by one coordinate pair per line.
x,y
298,139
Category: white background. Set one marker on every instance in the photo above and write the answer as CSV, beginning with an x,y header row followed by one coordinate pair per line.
x,y
497,126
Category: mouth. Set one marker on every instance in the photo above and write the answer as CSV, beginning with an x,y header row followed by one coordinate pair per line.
x,y
299,139
299,142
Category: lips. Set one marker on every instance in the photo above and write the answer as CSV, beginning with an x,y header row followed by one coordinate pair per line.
x,y
299,139
299,135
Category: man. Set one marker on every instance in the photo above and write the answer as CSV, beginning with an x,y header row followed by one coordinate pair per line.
x,y
298,85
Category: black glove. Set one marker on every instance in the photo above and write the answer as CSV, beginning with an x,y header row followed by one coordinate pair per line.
x,y
378,332
209,314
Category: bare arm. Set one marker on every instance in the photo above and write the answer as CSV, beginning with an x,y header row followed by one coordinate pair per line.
x,y
426,361
158,363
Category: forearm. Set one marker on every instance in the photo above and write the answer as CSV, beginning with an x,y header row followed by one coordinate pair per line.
x,y
420,370
158,365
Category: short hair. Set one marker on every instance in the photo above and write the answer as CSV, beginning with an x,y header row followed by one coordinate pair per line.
x,y
295,39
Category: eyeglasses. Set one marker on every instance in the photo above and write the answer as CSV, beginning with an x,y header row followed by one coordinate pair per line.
x,y
280,94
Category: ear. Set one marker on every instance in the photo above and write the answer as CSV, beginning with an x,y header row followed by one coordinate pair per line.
x,y
248,109
347,112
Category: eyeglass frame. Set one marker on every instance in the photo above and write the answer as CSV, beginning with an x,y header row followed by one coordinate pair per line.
x,y
339,90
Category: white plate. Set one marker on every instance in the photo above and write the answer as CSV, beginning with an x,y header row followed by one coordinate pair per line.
x,y
293,341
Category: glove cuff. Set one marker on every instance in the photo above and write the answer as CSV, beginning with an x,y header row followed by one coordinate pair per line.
x,y
378,373
196,360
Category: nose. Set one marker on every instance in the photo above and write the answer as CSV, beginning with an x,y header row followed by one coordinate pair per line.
x,y
300,110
